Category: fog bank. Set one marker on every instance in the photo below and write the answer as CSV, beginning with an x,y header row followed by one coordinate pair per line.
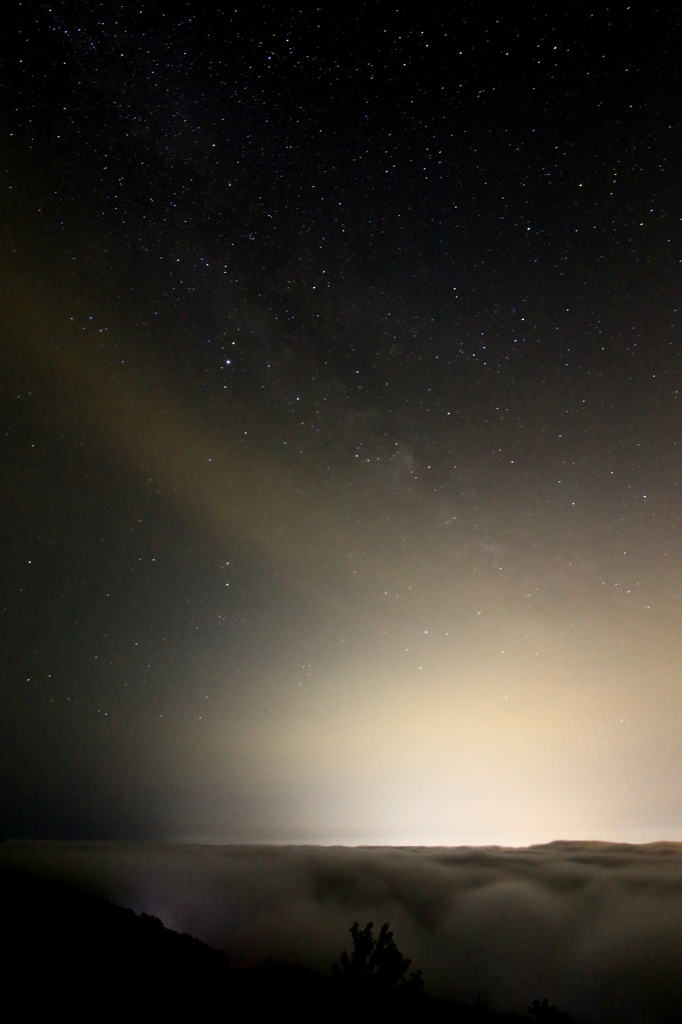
x,y
595,927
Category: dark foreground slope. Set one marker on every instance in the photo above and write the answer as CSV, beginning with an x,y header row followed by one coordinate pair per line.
x,y
69,953
64,950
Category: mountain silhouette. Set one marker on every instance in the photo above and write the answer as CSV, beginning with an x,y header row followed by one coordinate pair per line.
x,y
65,951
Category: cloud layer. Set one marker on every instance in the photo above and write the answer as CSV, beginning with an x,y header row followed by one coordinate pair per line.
x,y
595,927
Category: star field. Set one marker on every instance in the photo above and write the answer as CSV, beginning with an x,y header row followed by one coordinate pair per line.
x,y
341,423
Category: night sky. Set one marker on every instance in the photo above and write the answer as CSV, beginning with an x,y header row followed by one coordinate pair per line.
x,y
341,422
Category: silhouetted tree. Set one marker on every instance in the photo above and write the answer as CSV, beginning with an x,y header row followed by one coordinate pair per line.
x,y
375,960
543,1013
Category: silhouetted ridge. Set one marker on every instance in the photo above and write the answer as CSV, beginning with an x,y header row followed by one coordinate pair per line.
x,y
66,948
68,953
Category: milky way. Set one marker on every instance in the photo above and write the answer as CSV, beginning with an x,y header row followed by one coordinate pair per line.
x,y
340,411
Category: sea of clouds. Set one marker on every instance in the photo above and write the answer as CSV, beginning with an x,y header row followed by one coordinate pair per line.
x,y
594,927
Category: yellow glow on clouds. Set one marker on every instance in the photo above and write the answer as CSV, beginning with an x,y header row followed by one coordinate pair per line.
x,y
467,706
527,753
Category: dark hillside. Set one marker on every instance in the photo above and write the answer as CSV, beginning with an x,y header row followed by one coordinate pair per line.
x,y
66,952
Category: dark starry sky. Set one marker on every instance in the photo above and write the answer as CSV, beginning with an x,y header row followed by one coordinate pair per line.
x,y
341,432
